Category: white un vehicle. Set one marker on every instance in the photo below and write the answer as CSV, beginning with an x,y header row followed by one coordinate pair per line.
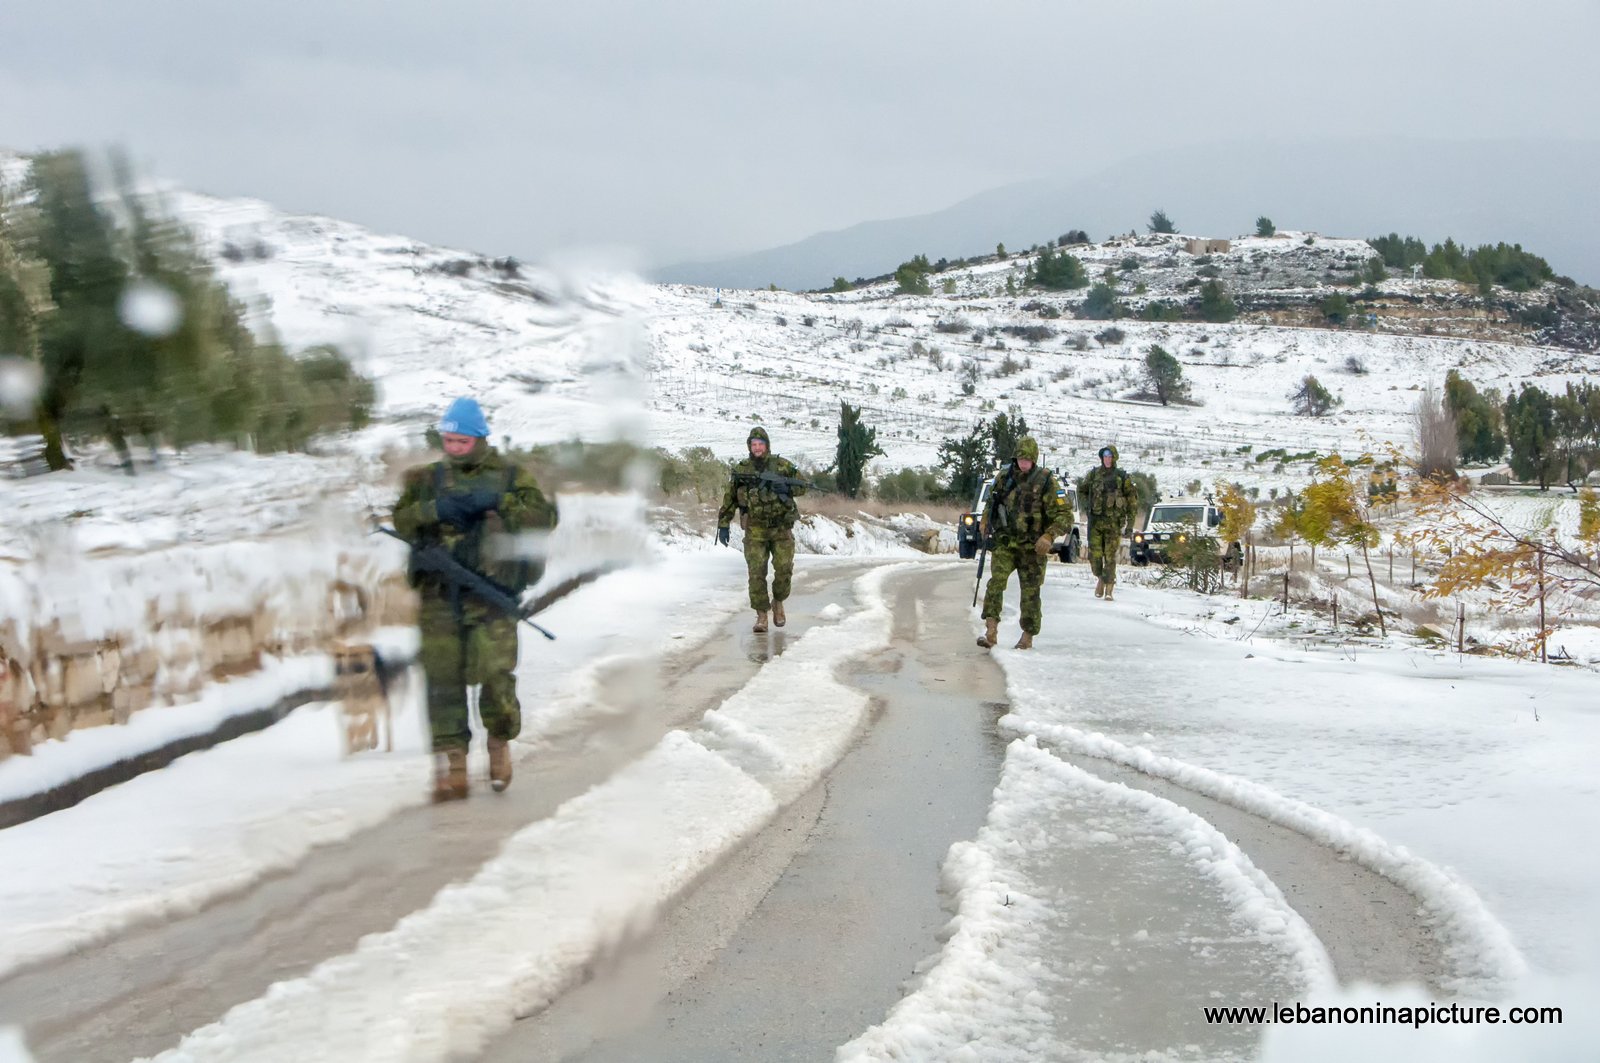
x,y
1177,521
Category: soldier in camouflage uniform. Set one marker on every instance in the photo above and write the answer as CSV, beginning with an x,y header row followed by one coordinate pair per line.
x,y
1024,516
1110,502
767,514
464,502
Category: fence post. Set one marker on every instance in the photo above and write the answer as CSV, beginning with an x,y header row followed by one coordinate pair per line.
x,y
1461,627
1543,647
1286,593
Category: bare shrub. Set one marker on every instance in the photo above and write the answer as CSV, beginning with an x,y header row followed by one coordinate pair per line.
x,y
1437,452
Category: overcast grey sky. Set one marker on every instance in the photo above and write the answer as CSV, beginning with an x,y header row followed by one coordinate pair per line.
x,y
695,129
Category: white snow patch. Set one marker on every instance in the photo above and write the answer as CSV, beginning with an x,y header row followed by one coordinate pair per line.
x,y
12,1048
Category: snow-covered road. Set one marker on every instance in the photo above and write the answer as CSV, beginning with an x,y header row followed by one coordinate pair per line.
x,y
1176,822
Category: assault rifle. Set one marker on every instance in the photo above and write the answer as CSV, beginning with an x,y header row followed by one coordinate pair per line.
x,y
1000,520
782,485
436,559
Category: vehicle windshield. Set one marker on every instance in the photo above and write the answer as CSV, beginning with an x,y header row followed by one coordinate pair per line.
x,y
983,496
1177,515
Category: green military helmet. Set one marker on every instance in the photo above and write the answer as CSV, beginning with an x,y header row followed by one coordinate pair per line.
x,y
1109,448
1028,447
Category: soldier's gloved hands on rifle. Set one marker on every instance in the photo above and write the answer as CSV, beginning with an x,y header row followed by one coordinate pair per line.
x,y
1041,546
461,508
722,536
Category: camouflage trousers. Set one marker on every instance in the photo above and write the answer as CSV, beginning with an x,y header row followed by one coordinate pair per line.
x,y
479,648
760,544
1105,540
1020,558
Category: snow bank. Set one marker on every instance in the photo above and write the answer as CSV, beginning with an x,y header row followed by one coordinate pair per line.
x,y
567,888
169,842
449,977
1483,961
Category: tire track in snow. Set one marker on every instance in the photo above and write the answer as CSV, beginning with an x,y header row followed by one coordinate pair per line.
x,y
1478,957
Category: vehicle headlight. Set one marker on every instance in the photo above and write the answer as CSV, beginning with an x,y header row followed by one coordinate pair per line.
x,y
1183,538
967,519
1139,537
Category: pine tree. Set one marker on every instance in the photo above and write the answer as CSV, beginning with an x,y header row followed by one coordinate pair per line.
x,y
1311,399
911,278
1056,271
1215,303
1264,226
858,444
1164,374
1530,418
966,460
1479,433
1160,223
1101,304
1006,431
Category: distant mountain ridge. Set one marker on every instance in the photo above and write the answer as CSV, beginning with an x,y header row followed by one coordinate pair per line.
x,y
1536,193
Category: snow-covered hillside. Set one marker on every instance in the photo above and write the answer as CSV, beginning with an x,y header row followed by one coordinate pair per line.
x,y
557,354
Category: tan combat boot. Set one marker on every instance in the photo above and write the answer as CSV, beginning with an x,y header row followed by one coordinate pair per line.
x,y
991,632
761,622
449,775
1100,588
777,614
1025,642
1109,587
499,764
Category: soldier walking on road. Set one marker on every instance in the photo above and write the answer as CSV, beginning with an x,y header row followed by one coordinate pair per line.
x,y
1024,515
464,503
762,489
1110,501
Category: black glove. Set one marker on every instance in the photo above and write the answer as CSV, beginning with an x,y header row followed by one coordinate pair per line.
x,y
722,536
462,508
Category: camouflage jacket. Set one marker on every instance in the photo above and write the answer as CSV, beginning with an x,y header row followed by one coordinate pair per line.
x,y
1024,506
522,507
1108,495
763,505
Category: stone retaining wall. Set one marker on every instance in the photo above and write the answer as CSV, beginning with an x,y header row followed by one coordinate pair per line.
x,y
56,677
